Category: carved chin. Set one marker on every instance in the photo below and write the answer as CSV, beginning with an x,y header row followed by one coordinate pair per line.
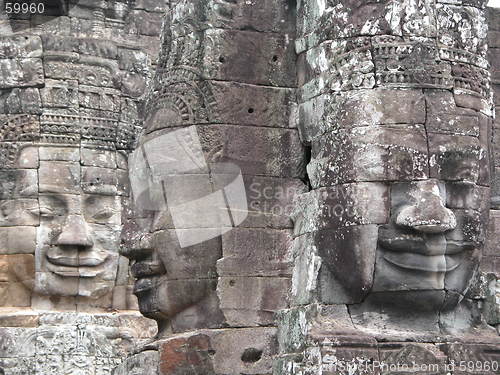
x,y
162,299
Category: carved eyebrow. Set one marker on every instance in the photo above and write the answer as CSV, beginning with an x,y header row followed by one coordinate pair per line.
x,y
469,153
56,195
51,189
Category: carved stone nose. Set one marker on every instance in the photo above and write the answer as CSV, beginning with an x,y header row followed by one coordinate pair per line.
x,y
427,213
74,233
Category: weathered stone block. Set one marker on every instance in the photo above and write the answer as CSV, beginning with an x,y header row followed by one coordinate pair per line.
x,y
98,158
132,60
17,240
369,154
47,24
266,16
60,94
244,350
97,47
17,183
61,177
54,153
457,158
23,101
317,22
16,319
360,108
96,180
17,46
472,354
146,23
252,301
255,252
492,246
233,57
452,19
139,363
242,104
445,117
270,201
16,280
184,354
306,269
250,148
16,212
341,206
23,72
28,158
152,5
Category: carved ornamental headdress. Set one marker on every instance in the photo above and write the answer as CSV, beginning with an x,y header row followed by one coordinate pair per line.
x,y
18,131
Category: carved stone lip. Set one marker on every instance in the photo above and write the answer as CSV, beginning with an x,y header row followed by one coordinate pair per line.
x,y
143,285
88,265
424,244
427,263
90,261
147,269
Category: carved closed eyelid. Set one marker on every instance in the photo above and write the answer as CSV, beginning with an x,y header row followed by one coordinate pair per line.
x,y
46,212
103,214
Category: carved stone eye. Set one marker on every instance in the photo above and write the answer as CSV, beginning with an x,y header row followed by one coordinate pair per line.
x,y
45,212
103,214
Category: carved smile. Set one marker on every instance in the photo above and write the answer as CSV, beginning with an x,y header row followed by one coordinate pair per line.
x,y
76,262
79,266
427,263
429,253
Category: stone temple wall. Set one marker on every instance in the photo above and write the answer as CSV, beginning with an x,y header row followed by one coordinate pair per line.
x,y
491,260
72,85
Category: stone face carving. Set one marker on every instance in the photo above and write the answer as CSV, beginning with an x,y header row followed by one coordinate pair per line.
x,y
396,105
400,168
215,172
72,84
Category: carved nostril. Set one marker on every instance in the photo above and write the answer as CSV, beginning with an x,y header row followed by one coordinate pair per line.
x,y
427,218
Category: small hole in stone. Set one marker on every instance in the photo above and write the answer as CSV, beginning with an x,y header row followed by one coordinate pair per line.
x,y
232,282
250,110
251,355
275,58
222,59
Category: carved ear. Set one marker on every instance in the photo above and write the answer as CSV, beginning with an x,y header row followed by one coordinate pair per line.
x,y
4,210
